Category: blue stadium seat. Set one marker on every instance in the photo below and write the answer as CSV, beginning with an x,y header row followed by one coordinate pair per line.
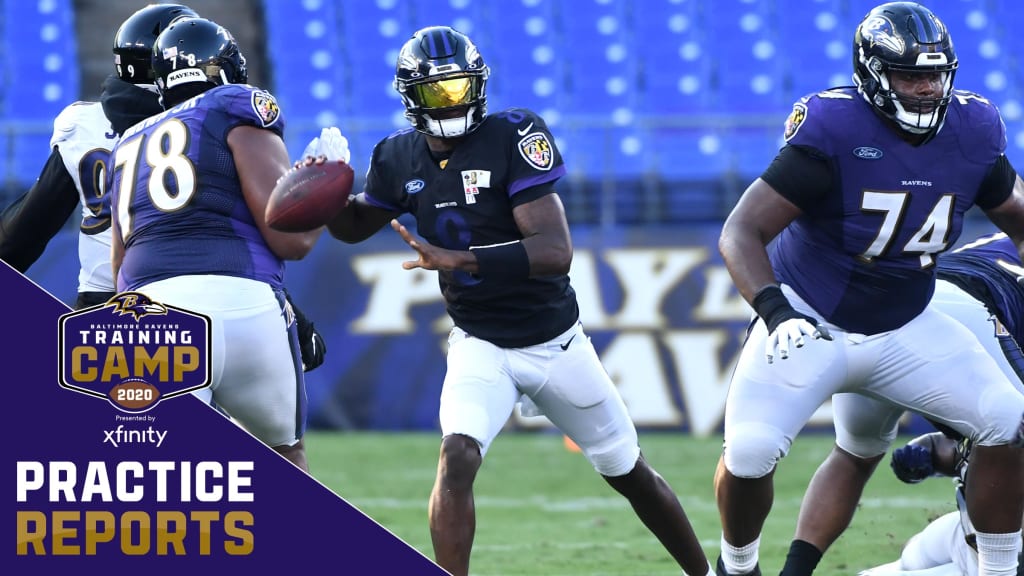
x,y
602,74
43,77
814,48
523,53
596,152
675,65
746,52
751,150
695,153
28,155
372,34
304,49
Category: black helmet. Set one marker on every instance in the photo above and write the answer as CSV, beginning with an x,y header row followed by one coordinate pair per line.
x,y
194,55
443,82
905,37
133,43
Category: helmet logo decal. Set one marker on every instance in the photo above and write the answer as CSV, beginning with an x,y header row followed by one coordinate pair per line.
x,y
265,107
185,76
795,120
536,150
867,153
880,31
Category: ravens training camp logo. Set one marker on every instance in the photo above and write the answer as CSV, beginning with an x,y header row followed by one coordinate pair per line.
x,y
134,352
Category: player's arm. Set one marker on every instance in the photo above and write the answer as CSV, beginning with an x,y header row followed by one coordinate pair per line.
x,y
546,239
545,250
28,224
757,218
925,456
359,220
261,159
1002,199
796,178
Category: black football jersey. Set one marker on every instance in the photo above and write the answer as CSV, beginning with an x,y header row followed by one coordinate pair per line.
x,y
466,200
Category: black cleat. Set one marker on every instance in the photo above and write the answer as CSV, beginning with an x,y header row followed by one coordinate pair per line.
x,y
721,571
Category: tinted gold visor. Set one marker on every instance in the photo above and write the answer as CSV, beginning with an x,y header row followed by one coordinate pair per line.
x,y
445,93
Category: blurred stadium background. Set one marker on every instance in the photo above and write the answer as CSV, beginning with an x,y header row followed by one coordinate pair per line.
x,y
664,111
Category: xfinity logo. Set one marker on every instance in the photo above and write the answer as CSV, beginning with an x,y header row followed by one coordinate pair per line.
x,y
867,153
120,436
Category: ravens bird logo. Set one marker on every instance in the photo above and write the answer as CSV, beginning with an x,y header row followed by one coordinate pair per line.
x,y
136,304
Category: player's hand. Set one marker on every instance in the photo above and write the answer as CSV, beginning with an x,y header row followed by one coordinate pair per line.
x,y
430,257
311,343
330,144
912,463
790,333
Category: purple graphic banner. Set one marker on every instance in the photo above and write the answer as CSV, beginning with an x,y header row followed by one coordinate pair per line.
x,y
177,488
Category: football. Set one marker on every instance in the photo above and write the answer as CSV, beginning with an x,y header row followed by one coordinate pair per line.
x,y
309,196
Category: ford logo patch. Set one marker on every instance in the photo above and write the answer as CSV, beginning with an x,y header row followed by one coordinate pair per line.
x,y
865,152
414,186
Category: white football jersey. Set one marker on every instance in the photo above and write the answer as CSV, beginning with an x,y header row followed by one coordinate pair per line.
x,y
85,137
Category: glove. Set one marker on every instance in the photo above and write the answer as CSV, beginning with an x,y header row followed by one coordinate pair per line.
x,y
330,144
311,343
786,326
912,463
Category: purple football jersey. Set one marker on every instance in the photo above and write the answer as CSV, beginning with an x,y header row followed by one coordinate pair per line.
x,y
988,269
176,194
864,256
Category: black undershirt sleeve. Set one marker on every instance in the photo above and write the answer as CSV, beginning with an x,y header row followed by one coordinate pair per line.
x,y
800,174
28,223
998,184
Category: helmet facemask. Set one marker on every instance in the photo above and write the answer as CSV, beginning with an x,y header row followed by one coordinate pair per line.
x,y
914,114
448,107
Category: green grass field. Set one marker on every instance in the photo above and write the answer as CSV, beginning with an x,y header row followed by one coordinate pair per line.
x,y
542,510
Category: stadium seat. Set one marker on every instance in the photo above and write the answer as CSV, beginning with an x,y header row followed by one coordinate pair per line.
x,y
304,49
674,64
43,77
747,56
815,48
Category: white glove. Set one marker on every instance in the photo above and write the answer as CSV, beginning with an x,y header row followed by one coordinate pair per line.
x,y
329,143
791,332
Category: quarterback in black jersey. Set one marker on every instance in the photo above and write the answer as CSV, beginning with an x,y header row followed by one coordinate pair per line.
x,y
481,188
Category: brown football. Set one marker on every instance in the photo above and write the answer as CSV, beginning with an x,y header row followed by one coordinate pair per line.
x,y
309,196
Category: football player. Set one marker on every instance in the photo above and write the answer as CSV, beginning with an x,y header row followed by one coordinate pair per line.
x,y
188,191
978,284
947,546
872,184
481,188
83,135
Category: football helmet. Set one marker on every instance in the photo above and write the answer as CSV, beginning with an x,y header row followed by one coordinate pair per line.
x,y
904,37
133,43
442,80
194,55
